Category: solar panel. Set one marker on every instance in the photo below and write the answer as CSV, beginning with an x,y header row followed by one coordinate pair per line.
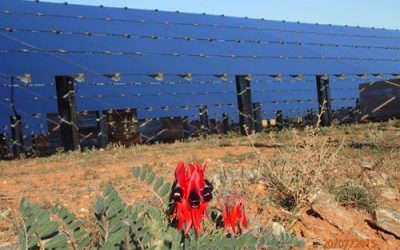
x,y
168,64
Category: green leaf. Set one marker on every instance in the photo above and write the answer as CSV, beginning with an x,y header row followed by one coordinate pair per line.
x,y
165,189
251,240
84,243
154,214
49,229
78,234
21,240
114,209
136,172
32,229
74,225
109,246
175,238
109,190
69,219
24,204
115,226
34,210
117,237
150,178
241,242
58,241
158,183
33,242
63,213
43,217
140,221
143,174
99,206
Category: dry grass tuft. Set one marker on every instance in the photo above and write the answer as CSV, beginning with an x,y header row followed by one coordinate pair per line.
x,y
300,167
350,194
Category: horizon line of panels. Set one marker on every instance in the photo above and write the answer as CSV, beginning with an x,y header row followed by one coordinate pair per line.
x,y
84,27
177,18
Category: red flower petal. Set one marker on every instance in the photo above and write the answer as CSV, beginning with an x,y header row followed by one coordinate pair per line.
x,y
190,207
233,213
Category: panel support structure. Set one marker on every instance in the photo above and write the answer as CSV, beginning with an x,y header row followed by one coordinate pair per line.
x,y
279,119
245,104
3,146
204,122
186,127
17,136
257,117
324,100
102,129
310,118
67,113
226,126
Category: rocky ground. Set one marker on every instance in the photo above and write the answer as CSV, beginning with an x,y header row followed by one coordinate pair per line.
x,y
335,188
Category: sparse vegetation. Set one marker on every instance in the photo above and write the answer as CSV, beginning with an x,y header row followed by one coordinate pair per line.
x,y
276,173
352,195
300,167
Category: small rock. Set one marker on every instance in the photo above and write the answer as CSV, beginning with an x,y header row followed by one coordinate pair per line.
x,y
325,205
277,229
388,220
390,193
367,165
84,210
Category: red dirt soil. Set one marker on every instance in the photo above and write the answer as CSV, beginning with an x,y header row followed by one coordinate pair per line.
x,y
76,179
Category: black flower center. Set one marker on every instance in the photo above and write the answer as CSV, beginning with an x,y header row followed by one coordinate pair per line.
x,y
206,191
176,192
194,199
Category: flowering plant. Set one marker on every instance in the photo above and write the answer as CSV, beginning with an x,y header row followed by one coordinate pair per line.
x,y
143,226
191,193
233,212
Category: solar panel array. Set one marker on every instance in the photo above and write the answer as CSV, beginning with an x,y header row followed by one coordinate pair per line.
x,y
167,64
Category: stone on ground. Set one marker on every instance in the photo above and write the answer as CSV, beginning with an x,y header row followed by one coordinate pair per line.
x,y
388,220
325,205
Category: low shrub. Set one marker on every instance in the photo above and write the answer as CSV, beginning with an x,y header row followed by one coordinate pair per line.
x,y
352,195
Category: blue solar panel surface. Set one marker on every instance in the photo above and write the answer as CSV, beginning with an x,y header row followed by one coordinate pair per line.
x,y
46,39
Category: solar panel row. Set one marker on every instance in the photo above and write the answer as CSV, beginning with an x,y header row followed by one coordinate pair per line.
x,y
186,53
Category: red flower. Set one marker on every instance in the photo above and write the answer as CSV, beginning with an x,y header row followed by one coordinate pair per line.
x,y
191,194
233,213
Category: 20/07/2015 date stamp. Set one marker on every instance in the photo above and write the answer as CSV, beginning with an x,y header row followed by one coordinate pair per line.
x,y
350,243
